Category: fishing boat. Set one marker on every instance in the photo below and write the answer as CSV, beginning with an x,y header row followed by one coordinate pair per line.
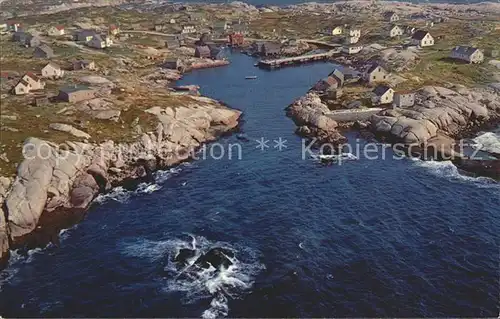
x,y
250,77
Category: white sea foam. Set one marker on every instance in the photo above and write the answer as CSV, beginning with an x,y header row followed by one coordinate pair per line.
x,y
121,195
447,170
64,233
16,260
117,194
198,283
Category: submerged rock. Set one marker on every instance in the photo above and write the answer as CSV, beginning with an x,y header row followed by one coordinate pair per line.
x,y
215,257
183,256
488,168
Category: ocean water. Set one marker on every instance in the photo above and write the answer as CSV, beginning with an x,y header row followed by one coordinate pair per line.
x,y
367,238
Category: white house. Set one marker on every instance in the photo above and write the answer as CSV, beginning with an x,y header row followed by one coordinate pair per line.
x,y
375,73
354,32
391,16
403,99
383,95
467,54
100,42
52,70
186,29
422,38
336,30
395,31
351,40
352,49
22,87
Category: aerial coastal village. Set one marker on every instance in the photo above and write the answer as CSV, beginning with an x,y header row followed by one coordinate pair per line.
x,y
98,77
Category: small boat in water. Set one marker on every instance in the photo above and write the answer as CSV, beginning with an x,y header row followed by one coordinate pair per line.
x,y
334,158
250,77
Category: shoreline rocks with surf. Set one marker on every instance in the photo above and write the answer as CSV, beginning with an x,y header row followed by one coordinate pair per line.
x,y
439,117
55,181
311,117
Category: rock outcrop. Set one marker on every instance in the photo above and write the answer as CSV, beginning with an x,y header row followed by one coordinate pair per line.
x,y
312,118
4,236
67,177
69,129
451,111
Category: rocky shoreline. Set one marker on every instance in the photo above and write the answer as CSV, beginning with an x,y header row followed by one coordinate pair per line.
x,y
439,117
55,184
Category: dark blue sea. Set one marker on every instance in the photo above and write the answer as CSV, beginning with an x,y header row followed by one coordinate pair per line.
x,y
367,238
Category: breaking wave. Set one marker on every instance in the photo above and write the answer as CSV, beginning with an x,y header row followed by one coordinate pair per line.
x,y
197,281
447,170
122,195
16,260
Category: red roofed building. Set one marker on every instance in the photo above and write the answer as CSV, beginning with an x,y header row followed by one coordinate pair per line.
x,y
326,84
114,30
14,26
56,30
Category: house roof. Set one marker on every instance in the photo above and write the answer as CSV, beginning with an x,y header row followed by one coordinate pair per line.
x,y
395,26
98,37
59,27
374,66
404,93
86,32
113,27
45,48
33,76
381,90
465,50
337,73
389,14
24,83
419,35
52,64
74,88
330,80
203,49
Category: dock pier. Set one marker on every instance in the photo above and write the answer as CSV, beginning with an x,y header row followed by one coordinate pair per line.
x,y
279,63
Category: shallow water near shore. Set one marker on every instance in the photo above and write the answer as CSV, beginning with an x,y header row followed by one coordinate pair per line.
x,y
367,238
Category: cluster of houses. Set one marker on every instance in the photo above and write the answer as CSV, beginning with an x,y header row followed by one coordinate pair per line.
x,y
32,83
265,48
351,36
383,93
95,40
332,85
